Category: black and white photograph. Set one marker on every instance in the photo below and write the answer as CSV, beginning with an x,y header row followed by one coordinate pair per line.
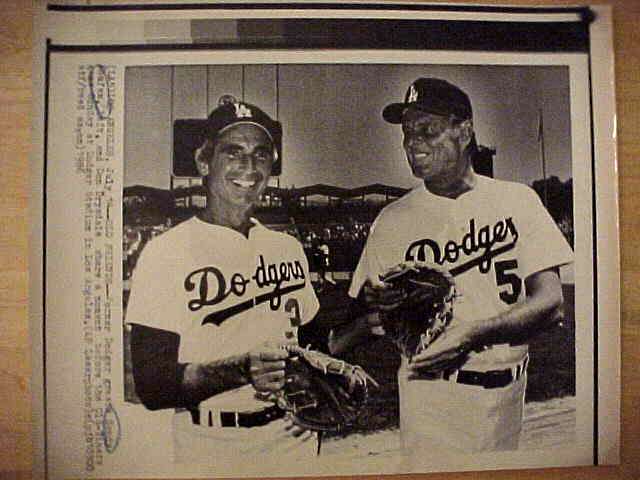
x,y
350,243
416,209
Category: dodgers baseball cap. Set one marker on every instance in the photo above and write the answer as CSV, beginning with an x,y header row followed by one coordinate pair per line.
x,y
434,96
231,112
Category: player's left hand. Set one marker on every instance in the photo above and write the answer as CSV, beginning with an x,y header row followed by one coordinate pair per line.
x,y
449,351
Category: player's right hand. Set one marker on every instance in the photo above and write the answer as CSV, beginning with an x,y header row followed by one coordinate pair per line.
x,y
266,368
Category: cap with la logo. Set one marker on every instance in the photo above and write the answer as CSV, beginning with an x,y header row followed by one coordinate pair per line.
x,y
232,112
432,95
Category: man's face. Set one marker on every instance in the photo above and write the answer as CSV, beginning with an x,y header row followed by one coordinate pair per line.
x,y
241,165
433,146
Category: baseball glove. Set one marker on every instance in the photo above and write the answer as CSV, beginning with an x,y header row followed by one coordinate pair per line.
x,y
322,393
427,310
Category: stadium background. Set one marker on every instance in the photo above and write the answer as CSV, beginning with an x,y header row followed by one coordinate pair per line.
x,y
341,165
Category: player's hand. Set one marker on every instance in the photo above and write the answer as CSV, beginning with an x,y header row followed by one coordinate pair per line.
x,y
266,368
297,431
386,293
383,296
449,351
422,290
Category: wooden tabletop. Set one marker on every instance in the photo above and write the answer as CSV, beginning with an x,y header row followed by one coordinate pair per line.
x,y
15,124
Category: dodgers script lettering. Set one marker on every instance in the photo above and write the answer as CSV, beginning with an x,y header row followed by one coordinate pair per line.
x,y
473,241
213,287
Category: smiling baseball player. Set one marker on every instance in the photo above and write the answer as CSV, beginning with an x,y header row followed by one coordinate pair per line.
x,y
465,391
214,297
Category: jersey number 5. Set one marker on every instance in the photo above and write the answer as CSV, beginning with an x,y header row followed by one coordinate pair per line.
x,y
511,280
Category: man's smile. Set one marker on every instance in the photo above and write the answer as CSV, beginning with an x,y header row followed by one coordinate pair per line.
x,y
421,159
244,183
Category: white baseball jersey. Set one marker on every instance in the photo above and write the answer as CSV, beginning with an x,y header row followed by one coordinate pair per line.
x,y
491,239
224,294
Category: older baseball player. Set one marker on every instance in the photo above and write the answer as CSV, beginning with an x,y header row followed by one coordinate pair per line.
x,y
465,392
211,299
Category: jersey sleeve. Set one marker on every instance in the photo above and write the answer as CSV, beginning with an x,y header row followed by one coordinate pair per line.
x,y
150,292
309,304
369,265
542,245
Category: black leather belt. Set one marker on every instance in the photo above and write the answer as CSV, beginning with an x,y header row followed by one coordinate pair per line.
x,y
490,379
238,419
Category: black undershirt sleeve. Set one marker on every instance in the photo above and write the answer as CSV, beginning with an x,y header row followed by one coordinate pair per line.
x,y
337,309
314,335
156,371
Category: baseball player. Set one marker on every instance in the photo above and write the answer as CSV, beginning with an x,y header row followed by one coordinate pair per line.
x,y
465,392
211,300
